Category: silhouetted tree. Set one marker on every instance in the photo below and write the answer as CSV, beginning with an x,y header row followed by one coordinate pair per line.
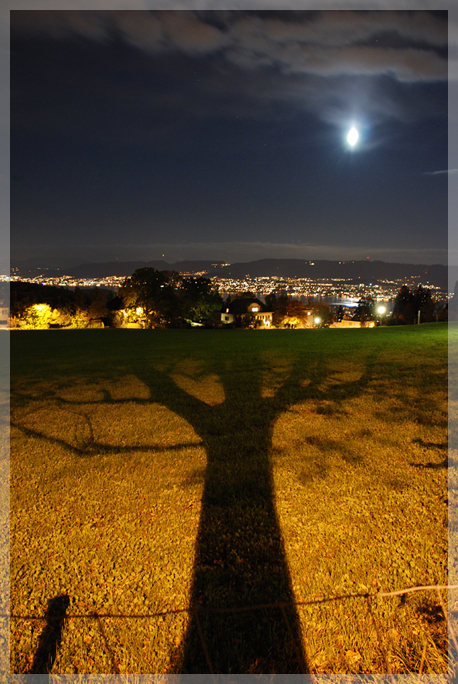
x,y
403,309
408,303
423,302
288,311
324,313
200,301
279,310
154,294
271,301
365,310
241,295
23,295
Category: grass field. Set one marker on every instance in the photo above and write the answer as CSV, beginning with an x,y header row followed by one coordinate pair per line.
x,y
156,471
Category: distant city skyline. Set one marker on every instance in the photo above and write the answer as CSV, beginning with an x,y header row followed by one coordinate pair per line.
x,y
223,135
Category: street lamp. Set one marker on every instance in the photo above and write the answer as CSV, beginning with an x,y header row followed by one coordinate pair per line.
x,y
317,320
381,310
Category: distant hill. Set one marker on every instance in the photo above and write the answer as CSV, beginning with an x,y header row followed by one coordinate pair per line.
x,y
366,271
363,271
118,268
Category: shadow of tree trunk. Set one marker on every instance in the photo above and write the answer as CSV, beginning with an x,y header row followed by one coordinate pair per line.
x,y
240,561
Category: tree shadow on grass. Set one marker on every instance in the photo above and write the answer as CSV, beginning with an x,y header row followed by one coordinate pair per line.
x,y
435,446
240,557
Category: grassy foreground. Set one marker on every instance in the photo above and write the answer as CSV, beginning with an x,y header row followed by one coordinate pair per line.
x,y
153,471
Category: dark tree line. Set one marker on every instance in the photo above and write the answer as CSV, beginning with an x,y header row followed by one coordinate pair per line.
x,y
148,298
415,306
167,299
409,307
40,306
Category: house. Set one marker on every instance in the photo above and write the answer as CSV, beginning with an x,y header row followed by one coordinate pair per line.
x,y
241,308
4,315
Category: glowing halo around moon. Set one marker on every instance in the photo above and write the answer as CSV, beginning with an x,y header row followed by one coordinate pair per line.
x,y
352,137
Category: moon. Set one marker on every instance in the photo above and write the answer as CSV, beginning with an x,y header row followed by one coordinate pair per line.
x,y
352,137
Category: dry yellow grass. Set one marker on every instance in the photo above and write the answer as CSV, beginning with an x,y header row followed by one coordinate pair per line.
x,y
116,440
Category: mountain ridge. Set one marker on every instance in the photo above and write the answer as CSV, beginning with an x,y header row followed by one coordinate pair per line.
x,y
364,270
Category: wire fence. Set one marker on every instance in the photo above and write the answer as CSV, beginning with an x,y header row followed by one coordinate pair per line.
x,y
58,619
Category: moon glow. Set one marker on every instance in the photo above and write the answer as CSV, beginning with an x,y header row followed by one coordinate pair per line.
x,y
352,137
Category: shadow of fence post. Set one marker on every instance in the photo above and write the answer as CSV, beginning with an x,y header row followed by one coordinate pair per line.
x,y
51,635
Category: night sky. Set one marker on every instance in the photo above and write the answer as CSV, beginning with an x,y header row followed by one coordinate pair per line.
x,y
222,135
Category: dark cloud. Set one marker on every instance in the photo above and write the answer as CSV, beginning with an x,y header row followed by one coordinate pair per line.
x,y
324,43
259,64
442,172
